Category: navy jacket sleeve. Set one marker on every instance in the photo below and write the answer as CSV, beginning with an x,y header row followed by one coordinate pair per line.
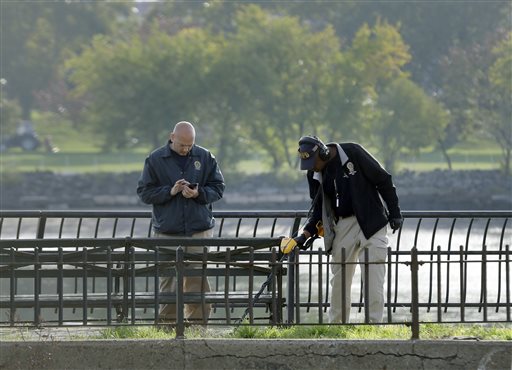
x,y
148,188
316,199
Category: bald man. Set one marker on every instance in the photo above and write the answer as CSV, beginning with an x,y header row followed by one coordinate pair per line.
x,y
181,180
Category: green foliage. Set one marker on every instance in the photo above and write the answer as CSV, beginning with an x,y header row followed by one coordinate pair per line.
x,y
282,72
500,115
408,120
141,87
247,331
381,54
496,332
155,332
254,78
135,332
376,57
35,36
11,115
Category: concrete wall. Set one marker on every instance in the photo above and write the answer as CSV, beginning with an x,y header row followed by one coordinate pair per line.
x,y
216,354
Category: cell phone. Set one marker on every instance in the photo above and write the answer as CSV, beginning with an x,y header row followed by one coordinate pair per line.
x,y
192,186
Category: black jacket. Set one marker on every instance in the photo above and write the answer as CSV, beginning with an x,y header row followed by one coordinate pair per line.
x,y
179,215
367,179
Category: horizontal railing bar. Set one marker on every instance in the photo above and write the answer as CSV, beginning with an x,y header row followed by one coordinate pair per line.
x,y
256,242
100,300
50,257
146,272
238,214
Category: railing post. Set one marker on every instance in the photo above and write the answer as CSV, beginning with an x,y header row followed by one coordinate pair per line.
x,y
109,285
12,286
205,310
41,226
390,319
507,279
344,312
227,274
251,286
84,286
320,287
415,325
273,271
290,289
37,287
156,282
296,302
439,286
126,279
60,285
133,270
366,286
180,315
483,283
462,286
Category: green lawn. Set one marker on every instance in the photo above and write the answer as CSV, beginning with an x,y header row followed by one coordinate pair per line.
x,y
481,155
78,152
72,162
349,332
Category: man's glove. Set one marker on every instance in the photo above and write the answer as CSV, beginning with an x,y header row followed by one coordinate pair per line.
x,y
396,223
319,229
289,244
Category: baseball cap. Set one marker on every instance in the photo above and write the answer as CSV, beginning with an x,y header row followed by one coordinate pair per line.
x,y
308,149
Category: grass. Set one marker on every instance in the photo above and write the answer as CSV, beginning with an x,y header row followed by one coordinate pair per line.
x,y
482,155
347,332
357,332
73,162
501,332
79,152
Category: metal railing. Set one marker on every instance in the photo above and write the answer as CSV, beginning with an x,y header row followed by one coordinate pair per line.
x,y
441,267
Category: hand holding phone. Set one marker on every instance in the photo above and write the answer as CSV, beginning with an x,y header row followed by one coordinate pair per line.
x,y
193,185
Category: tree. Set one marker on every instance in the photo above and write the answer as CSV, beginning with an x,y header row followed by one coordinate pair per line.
x,y
280,68
431,28
469,94
11,114
499,122
140,87
35,37
463,75
406,121
376,56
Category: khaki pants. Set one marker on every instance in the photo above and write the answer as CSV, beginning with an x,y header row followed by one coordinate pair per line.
x,y
349,236
196,313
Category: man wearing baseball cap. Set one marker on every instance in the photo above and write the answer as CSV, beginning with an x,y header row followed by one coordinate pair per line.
x,y
353,198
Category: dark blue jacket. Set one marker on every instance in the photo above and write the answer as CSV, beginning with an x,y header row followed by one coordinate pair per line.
x,y
369,183
176,214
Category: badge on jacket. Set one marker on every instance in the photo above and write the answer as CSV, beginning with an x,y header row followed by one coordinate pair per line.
x,y
350,167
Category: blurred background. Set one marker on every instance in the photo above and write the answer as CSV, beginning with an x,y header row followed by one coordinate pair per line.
x,y
89,89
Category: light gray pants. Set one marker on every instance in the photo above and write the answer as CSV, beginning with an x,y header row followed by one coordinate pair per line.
x,y
196,313
350,237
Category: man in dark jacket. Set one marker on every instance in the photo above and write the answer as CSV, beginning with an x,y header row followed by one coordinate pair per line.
x,y
181,180
354,198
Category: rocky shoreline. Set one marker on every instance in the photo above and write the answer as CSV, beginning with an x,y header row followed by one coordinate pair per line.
x,y
435,190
